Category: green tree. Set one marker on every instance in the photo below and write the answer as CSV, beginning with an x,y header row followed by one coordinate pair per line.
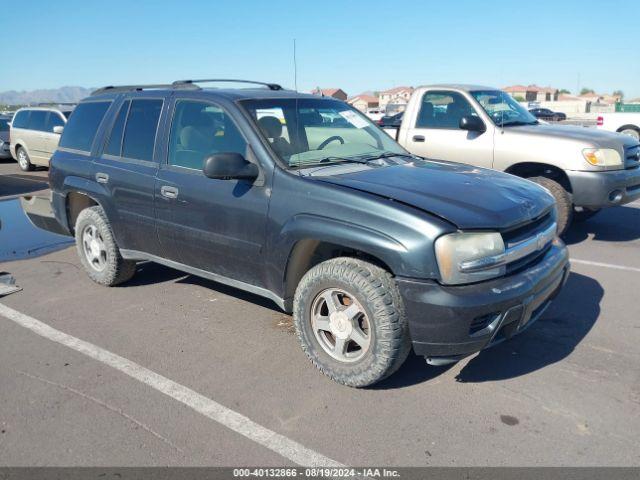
x,y
585,90
519,98
563,91
618,93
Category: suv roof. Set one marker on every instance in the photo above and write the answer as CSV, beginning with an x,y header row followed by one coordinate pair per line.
x,y
272,90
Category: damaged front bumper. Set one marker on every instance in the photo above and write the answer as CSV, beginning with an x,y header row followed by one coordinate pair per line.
x,y
448,323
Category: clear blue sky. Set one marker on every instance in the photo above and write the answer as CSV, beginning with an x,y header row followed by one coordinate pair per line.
x,y
355,45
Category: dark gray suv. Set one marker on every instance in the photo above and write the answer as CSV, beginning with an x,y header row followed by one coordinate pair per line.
x,y
305,201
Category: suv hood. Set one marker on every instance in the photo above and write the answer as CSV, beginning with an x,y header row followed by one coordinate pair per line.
x,y
468,197
590,136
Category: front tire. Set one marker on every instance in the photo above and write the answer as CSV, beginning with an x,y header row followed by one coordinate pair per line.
x,y
98,250
630,131
24,162
564,203
350,321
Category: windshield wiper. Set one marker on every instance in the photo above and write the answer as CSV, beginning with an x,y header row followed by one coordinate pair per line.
x,y
371,158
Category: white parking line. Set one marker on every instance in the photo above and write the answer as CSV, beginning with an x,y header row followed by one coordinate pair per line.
x,y
231,419
605,265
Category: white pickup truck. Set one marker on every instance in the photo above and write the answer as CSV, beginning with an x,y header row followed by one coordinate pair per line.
x,y
584,169
627,123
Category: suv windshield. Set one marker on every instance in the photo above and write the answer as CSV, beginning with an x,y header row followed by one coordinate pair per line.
x,y
307,131
503,109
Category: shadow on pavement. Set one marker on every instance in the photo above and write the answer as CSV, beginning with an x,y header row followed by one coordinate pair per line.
x,y
549,340
616,224
19,184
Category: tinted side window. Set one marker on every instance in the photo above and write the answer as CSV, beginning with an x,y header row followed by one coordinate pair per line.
x,y
114,143
443,110
54,120
83,125
38,120
199,130
21,120
140,130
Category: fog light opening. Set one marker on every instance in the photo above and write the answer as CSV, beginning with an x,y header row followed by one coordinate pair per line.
x,y
615,196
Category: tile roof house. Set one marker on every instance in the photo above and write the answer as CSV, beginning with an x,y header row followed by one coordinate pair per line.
x,y
363,101
397,95
330,92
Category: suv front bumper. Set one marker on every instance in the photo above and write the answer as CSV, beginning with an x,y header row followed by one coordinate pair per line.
x,y
448,323
604,189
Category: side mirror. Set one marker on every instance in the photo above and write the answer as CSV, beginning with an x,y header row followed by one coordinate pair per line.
x,y
58,129
229,166
472,124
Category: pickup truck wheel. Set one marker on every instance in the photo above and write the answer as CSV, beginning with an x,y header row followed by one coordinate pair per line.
x,y
631,131
563,201
23,160
98,251
350,321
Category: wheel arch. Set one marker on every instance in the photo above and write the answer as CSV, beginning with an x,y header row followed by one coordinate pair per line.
x,y
534,169
628,126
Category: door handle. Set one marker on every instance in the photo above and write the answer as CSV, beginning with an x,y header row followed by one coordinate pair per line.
x,y
169,192
418,138
102,177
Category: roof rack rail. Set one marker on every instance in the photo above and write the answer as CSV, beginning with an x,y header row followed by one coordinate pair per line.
x,y
131,88
270,86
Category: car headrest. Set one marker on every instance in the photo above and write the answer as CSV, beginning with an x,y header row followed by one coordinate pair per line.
x,y
270,126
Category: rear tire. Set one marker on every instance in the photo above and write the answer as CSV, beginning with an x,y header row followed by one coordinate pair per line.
x,y
350,321
564,203
24,162
98,250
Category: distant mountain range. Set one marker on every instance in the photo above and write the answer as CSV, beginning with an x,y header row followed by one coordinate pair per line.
x,y
62,94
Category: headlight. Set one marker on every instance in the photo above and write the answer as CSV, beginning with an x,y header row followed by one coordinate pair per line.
x,y
602,157
455,250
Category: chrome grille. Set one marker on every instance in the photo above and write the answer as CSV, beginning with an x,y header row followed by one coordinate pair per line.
x,y
523,246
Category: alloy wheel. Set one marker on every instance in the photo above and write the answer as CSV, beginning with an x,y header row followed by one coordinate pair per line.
x,y
341,325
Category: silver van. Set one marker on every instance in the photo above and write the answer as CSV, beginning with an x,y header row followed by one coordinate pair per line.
x,y
34,134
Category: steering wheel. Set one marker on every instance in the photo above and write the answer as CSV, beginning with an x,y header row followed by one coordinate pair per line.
x,y
502,114
329,140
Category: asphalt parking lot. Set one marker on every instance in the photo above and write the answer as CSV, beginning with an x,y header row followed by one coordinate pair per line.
x,y
171,369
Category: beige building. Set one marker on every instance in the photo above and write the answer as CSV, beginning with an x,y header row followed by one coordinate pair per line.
x,y
397,95
363,102
533,93
330,92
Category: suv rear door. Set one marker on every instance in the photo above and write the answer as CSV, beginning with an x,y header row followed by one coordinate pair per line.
x,y
434,132
127,168
212,225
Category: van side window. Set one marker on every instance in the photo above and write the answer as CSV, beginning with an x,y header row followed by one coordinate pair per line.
x,y
38,120
199,130
114,143
21,120
443,110
140,130
83,125
54,120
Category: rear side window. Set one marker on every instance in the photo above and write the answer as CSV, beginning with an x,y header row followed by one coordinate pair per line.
x,y
83,125
114,143
4,125
21,120
38,120
140,129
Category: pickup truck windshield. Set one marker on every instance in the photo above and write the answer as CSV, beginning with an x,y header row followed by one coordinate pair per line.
x,y
503,109
305,131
